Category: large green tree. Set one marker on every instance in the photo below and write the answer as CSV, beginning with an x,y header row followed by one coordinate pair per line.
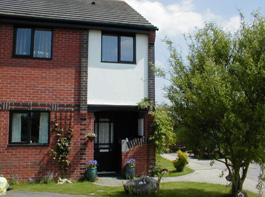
x,y
218,95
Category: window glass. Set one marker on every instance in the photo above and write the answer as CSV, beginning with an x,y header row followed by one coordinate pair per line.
x,y
109,48
30,127
19,127
42,44
33,43
23,41
35,124
126,49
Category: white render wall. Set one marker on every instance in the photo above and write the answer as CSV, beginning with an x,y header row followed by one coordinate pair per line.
x,y
117,83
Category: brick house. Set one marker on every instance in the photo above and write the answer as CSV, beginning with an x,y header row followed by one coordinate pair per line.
x,y
85,63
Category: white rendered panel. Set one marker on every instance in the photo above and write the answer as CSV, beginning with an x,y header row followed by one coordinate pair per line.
x,y
117,83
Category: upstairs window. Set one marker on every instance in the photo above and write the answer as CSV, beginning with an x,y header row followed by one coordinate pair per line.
x,y
29,127
33,43
118,48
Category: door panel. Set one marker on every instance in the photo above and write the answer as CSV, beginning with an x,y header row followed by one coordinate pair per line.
x,y
105,149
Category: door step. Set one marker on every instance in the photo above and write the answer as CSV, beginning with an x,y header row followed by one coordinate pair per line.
x,y
105,173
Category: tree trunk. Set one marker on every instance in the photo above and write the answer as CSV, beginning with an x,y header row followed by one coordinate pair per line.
x,y
237,185
237,180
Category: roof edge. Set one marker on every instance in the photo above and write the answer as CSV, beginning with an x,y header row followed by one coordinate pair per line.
x,y
75,23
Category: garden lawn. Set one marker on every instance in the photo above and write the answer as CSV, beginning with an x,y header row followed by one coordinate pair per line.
x,y
181,189
165,163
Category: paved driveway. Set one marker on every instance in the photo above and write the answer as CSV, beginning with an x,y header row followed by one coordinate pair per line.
x,y
204,172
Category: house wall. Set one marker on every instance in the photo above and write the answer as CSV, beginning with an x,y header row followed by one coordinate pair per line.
x,y
48,85
58,86
117,83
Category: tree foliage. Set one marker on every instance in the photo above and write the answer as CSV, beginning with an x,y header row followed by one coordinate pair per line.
x,y
218,95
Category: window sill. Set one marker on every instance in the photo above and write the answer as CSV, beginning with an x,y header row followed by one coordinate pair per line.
x,y
28,144
118,62
30,57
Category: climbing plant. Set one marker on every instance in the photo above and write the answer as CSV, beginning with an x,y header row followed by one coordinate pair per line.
x,y
62,150
164,135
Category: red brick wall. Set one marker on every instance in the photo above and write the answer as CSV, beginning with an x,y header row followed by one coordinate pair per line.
x,y
143,154
55,81
140,154
40,80
34,161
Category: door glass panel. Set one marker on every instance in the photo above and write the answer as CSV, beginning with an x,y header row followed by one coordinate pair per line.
x,y
104,133
96,132
111,133
104,129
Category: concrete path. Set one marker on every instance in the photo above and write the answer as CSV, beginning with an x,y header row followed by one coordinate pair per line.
x,y
204,172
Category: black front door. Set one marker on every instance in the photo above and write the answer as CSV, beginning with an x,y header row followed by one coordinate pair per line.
x,y
106,147
111,127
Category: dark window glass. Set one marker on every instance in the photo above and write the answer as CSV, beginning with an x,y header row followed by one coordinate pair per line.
x,y
116,48
110,48
23,41
29,127
127,49
33,43
42,44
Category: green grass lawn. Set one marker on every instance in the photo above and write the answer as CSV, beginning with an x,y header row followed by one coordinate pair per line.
x,y
165,163
181,189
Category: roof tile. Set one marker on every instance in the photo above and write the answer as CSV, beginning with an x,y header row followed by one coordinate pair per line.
x,y
103,11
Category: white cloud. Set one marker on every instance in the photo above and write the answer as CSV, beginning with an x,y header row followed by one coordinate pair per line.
x,y
173,19
232,25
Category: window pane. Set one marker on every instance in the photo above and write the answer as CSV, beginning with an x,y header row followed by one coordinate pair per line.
x,y
23,41
19,127
127,49
44,128
39,127
35,124
42,44
109,48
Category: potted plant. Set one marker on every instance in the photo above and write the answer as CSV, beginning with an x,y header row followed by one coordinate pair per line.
x,y
91,170
130,169
91,136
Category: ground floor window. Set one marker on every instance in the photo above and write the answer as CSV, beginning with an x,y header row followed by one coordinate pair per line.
x,y
29,127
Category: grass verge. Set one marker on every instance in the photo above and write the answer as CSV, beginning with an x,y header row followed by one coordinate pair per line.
x,y
165,163
181,189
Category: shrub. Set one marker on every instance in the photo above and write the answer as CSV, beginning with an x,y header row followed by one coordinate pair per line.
x,y
181,161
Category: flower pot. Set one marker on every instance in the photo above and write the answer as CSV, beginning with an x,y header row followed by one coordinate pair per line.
x,y
91,174
129,172
91,139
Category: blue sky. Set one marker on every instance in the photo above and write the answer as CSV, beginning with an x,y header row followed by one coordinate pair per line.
x,y
177,17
